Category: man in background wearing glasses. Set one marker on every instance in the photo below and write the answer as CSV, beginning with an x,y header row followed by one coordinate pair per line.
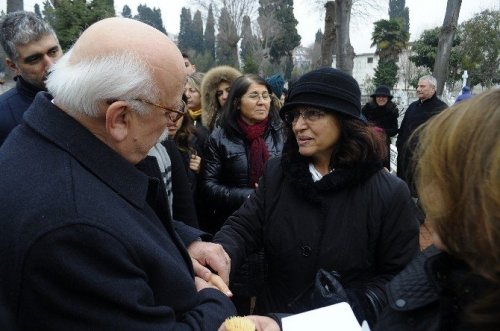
x,y
86,235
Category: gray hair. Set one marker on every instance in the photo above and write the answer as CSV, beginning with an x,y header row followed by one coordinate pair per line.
x,y
21,28
431,79
81,88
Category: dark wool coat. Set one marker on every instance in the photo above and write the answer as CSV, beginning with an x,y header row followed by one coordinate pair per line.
x,y
225,173
13,104
364,228
417,113
385,117
431,294
86,238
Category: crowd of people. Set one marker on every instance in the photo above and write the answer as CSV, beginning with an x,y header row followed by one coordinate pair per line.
x,y
137,193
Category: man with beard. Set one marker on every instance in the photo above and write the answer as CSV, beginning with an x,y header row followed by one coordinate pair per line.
x,y
32,48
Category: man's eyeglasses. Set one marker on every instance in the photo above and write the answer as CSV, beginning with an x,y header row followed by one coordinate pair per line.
x,y
255,96
308,114
173,114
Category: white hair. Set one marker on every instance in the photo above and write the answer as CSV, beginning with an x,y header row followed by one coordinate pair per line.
x,y
431,79
81,87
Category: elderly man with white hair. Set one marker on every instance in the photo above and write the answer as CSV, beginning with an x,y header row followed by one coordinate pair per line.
x,y
418,112
86,236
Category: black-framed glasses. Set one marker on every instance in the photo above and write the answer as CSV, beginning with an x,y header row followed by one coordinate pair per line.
x,y
173,114
308,114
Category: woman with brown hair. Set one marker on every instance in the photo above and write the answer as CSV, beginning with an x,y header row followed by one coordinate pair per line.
x,y
327,203
456,284
215,89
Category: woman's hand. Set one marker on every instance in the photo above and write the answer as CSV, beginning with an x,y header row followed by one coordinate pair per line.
x,y
195,163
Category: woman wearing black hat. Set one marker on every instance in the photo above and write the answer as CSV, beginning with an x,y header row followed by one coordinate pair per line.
x,y
383,113
327,203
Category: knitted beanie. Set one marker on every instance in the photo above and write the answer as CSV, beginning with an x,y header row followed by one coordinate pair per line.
x,y
277,83
328,89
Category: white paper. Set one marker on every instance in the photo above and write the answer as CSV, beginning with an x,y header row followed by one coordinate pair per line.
x,y
339,317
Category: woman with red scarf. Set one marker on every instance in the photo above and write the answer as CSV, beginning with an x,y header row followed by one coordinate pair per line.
x,y
250,133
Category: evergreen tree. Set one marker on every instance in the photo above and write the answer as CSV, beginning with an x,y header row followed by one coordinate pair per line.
x,y
126,12
390,39
209,38
70,18
197,33
249,43
37,10
316,50
184,38
386,74
399,12
424,52
480,48
227,39
151,17
285,35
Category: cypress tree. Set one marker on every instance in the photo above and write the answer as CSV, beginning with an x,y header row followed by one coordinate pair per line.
x,y
209,38
184,39
197,33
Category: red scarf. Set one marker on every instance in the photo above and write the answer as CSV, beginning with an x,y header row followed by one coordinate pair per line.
x,y
258,149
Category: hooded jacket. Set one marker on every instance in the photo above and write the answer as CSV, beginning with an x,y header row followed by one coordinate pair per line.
x,y
209,85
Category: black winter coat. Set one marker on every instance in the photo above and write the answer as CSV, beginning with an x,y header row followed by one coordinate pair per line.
x,y
225,179
432,293
13,104
385,117
363,228
417,113
86,238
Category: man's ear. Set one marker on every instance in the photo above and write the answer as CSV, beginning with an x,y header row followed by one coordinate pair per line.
x,y
13,66
118,120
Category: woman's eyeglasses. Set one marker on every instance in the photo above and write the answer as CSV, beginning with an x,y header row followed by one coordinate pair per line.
x,y
173,114
308,114
256,96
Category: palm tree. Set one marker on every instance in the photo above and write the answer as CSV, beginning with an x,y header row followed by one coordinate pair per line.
x,y
390,38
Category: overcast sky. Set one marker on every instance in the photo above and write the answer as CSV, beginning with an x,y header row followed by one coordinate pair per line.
x,y
424,14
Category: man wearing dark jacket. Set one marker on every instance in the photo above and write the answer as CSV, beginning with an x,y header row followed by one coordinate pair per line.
x,y
86,235
32,48
417,114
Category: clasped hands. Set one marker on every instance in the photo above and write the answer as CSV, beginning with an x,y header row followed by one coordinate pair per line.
x,y
206,257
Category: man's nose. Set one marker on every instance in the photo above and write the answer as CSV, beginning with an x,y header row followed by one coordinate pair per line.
x,y
49,61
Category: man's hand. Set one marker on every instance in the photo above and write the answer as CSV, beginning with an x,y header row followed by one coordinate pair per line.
x,y
210,255
205,278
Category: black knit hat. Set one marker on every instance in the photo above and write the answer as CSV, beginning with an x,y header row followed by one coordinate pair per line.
x,y
326,88
382,91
